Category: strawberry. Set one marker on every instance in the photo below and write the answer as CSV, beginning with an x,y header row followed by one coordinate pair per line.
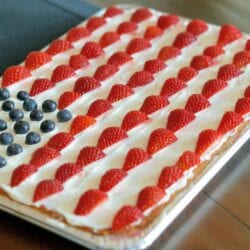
x,y
149,196
61,73
229,121
80,123
109,38
110,136
119,58
112,11
105,71
205,140
99,107
95,23
36,59
126,27
242,106
172,86
111,178
213,51
141,15
60,140
152,32
14,74
168,176
88,155
66,171
247,92
41,85
21,173
153,103
228,34
118,92
58,46
187,73
44,155
77,33
201,62
228,72
187,160
247,47
133,119
140,78
126,216
47,188
165,21
213,86
137,45
184,39
159,139
168,52
135,157
67,98
92,50
153,66
241,59
179,118
85,84
196,103
78,61
197,27
89,201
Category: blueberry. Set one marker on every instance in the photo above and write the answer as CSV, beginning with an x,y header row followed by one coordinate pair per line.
x,y
64,115
21,127
29,104
36,115
16,114
6,138
8,106
47,126
22,95
4,94
49,106
14,149
3,125
32,138
2,162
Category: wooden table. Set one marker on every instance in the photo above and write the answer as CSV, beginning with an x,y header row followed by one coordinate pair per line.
x,y
219,217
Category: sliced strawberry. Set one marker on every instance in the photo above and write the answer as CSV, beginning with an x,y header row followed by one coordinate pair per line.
x,y
110,136
44,155
247,47
172,86
140,78
21,173
46,188
111,178
80,123
149,196
99,107
14,74
58,46
109,38
92,50
88,155
61,73
164,22
196,103
118,92
41,85
247,92
228,34
77,33
205,140
213,86
105,71
137,45
135,157
85,84
154,65
201,62
184,39
126,27
141,15
126,216
152,32
112,11
228,72
36,59
214,51
241,59
159,139
67,98
78,61
119,58
242,106
179,118
187,160
95,23
187,73
229,121
66,171
168,52
153,103
60,140
197,27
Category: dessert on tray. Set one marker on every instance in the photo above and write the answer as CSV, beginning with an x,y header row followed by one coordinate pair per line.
x,y
107,124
